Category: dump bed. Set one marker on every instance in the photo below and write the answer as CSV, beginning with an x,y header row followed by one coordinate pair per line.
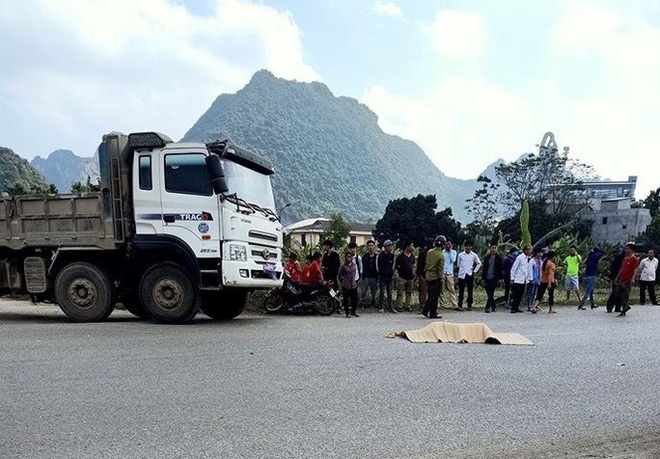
x,y
56,221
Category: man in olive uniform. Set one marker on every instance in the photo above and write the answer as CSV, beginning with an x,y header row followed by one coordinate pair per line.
x,y
435,263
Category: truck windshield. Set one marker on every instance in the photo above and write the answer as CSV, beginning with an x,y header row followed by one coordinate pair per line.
x,y
249,185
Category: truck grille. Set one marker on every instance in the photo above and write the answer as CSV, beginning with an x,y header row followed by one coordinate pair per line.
x,y
264,236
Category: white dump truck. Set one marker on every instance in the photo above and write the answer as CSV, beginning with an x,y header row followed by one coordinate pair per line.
x,y
176,227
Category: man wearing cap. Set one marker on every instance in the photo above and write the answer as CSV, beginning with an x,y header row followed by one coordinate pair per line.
x,y
385,267
435,262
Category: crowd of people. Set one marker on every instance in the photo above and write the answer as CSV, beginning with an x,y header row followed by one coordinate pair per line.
x,y
446,278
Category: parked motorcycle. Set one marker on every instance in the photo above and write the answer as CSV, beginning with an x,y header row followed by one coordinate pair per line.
x,y
301,298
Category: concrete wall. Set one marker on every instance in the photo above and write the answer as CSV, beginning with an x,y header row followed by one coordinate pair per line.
x,y
615,224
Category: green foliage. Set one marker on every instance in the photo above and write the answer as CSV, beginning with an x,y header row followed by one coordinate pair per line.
x,y
337,231
87,187
415,219
484,209
17,176
524,225
551,184
651,236
652,202
550,177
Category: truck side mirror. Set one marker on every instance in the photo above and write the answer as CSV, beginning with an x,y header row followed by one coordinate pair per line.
x,y
216,174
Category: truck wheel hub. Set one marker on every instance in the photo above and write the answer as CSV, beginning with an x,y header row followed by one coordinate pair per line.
x,y
83,293
168,294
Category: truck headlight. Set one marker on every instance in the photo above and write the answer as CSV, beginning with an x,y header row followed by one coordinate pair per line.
x,y
237,252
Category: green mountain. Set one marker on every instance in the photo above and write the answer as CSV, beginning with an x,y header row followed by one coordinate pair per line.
x,y
329,153
17,172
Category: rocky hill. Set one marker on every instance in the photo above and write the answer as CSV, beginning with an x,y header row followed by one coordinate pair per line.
x,y
329,153
63,167
15,170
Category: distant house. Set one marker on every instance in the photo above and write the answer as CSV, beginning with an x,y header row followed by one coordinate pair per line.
x,y
614,220
309,231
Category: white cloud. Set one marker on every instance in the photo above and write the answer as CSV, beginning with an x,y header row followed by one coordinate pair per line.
x,y
462,125
78,69
616,129
388,9
458,34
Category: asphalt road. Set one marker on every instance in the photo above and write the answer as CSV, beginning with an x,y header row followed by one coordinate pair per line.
x,y
324,387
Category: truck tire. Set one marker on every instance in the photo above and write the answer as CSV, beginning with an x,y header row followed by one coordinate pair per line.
x,y
84,292
168,295
225,305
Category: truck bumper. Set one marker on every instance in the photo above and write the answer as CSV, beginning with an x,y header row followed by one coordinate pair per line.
x,y
249,275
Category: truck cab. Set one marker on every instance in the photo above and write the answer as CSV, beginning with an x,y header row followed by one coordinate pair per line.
x,y
211,205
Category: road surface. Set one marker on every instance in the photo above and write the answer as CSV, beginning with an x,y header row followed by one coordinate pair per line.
x,y
324,387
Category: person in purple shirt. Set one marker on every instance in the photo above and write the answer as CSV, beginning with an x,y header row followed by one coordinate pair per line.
x,y
590,277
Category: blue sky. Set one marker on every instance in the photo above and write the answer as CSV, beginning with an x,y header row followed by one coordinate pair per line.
x,y
470,82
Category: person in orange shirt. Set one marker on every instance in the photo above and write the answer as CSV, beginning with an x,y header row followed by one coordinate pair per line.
x,y
548,282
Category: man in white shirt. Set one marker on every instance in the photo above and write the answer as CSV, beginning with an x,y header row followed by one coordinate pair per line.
x,y
520,275
449,293
647,268
468,264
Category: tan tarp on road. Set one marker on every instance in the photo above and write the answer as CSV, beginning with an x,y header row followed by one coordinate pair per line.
x,y
445,332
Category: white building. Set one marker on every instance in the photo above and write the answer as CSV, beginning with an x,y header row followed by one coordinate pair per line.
x,y
309,231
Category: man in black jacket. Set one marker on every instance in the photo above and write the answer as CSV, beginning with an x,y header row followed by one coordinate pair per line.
x,y
615,267
330,264
491,273
370,273
385,266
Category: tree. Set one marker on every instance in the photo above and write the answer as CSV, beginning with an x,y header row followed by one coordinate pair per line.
x,y
87,187
338,230
415,219
22,187
483,208
552,184
651,236
652,202
550,178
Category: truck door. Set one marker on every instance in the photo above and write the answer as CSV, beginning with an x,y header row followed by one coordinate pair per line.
x,y
146,195
189,206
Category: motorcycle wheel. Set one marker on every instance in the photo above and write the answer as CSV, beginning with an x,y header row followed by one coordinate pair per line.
x,y
325,305
273,303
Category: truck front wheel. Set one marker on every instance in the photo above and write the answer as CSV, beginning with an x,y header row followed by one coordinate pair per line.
x,y
84,292
167,294
224,305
